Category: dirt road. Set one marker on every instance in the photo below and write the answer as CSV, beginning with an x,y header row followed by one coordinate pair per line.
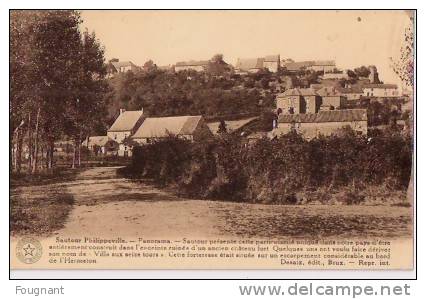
x,y
106,205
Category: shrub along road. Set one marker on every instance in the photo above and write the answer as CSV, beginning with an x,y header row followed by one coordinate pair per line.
x,y
107,205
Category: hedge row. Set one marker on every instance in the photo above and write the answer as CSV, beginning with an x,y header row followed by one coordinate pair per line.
x,y
229,168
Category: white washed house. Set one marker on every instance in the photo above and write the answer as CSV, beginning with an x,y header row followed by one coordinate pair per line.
x,y
124,127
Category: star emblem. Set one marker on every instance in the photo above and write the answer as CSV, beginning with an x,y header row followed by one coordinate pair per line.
x,y
29,250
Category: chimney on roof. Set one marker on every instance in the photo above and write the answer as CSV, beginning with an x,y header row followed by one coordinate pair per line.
x,y
142,109
122,110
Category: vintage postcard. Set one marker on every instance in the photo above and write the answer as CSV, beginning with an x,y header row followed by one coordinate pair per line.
x,y
218,139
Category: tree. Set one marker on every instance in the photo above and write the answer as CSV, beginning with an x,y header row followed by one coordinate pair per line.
x,y
88,108
57,79
149,66
351,74
217,66
362,71
222,127
218,58
404,65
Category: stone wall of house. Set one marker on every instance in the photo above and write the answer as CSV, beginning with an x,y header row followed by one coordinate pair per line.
x,y
119,136
381,92
313,104
353,96
272,66
323,68
335,76
335,101
285,103
311,130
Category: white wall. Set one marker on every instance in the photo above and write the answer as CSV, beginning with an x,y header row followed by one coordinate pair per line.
x,y
118,136
381,92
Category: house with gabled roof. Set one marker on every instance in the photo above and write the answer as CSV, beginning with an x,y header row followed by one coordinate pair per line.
x,y
352,93
255,65
115,66
199,66
124,127
249,65
325,66
188,127
325,123
297,101
272,63
332,98
380,90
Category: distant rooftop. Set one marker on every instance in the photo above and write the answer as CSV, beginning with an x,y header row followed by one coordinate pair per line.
x,y
126,121
346,115
158,127
246,64
384,86
296,66
193,63
298,92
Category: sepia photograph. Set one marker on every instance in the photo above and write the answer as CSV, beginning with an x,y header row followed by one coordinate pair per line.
x,y
212,139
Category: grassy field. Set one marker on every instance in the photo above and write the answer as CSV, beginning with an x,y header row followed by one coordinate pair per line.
x,y
40,204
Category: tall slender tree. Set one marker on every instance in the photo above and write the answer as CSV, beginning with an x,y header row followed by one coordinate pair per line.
x,y
57,80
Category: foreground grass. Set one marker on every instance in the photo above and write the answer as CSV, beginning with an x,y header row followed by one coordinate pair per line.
x,y
56,175
39,204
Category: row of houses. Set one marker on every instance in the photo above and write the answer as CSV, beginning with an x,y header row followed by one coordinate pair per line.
x,y
133,127
325,123
323,109
272,63
310,111
324,98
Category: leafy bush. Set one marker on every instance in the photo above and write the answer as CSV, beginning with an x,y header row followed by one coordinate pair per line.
x,y
287,170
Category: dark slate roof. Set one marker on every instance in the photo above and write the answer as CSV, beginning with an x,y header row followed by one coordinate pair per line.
x,y
329,91
325,116
324,63
348,90
298,92
297,66
387,86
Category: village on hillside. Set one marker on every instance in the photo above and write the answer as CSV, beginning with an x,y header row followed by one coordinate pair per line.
x,y
225,148
333,98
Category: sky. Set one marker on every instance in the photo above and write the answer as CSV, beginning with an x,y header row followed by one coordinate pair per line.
x,y
351,38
